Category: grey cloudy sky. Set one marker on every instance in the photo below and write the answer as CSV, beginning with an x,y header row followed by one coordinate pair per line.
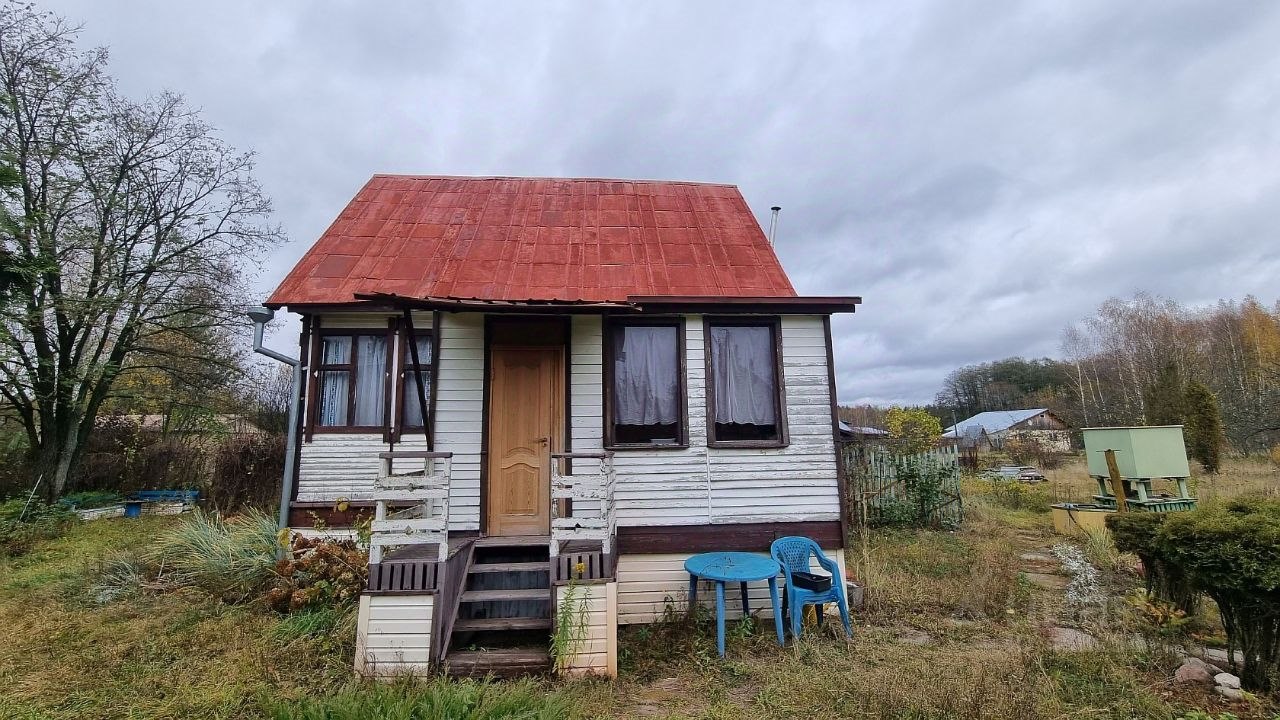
x,y
982,173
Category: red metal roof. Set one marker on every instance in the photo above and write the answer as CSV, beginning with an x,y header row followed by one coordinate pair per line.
x,y
537,239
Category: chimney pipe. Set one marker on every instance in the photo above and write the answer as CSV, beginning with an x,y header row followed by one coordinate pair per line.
x,y
773,223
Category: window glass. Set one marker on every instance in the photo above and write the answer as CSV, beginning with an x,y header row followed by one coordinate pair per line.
x,y
334,396
371,368
744,383
412,406
646,385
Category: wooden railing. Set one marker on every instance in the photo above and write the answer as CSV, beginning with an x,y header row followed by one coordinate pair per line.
x,y
582,501
427,520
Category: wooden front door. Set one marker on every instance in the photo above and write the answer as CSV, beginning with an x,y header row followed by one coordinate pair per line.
x,y
526,402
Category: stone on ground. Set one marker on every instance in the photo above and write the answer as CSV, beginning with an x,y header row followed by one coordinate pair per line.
x,y
1227,680
1064,638
1195,670
1230,693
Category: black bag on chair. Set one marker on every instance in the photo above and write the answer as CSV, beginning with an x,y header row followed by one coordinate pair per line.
x,y
810,581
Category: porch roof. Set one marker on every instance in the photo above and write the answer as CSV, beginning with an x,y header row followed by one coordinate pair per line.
x,y
538,240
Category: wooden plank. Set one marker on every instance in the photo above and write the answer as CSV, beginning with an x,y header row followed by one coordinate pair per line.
x,y
500,595
727,537
536,566
516,623
413,455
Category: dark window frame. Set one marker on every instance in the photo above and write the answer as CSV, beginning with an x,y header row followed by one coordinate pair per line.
x,y
430,368
774,323
682,431
353,370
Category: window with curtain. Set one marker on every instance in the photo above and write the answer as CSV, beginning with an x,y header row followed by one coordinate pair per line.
x,y
351,381
745,390
645,385
410,403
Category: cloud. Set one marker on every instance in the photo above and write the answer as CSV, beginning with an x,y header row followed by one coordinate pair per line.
x,y
982,174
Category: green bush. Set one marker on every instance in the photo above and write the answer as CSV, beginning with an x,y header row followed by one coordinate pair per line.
x,y
1231,552
23,523
429,700
922,479
1137,533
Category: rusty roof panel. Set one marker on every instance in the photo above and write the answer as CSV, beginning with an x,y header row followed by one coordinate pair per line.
x,y
537,239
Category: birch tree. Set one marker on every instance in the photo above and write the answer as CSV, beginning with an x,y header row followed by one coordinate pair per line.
x,y
123,225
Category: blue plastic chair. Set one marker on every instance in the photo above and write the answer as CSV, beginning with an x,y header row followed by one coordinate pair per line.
x,y
793,554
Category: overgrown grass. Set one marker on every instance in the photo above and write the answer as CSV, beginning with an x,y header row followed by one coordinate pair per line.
x,y
223,556
430,700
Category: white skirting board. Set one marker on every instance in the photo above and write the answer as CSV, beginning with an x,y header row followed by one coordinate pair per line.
x,y
393,635
597,651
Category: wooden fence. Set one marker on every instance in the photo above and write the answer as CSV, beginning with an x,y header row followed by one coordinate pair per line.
x,y
871,473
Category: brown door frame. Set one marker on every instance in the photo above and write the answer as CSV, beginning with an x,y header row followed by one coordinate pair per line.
x,y
566,362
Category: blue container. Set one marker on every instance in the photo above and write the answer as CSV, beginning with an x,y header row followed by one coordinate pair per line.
x,y
133,508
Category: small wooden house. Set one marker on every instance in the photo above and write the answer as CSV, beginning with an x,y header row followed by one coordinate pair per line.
x,y
991,429
536,383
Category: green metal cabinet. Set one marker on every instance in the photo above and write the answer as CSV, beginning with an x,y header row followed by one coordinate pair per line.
x,y
1141,452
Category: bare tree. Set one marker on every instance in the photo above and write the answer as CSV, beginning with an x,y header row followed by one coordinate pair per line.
x,y
125,225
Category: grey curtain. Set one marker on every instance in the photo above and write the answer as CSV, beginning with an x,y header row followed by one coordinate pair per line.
x,y
646,371
742,373
412,408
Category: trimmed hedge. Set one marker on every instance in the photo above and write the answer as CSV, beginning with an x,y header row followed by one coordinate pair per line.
x,y
1229,551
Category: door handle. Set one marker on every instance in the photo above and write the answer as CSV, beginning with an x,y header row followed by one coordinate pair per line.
x,y
544,440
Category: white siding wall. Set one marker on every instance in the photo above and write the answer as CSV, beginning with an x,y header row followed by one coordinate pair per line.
x,y
598,652
459,412
340,465
691,486
701,485
647,584
393,634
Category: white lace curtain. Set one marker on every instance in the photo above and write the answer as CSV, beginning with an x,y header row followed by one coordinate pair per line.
x,y
370,390
742,373
646,382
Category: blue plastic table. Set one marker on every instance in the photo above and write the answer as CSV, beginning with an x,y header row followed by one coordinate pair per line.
x,y
739,567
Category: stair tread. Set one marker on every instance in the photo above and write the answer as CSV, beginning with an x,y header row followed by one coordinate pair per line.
x,y
508,623
513,541
530,566
500,595
499,662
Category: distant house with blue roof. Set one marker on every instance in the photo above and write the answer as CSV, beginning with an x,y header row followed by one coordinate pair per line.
x,y
998,426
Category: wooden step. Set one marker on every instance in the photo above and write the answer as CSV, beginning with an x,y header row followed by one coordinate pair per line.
x,y
532,566
509,623
514,540
501,595
506,662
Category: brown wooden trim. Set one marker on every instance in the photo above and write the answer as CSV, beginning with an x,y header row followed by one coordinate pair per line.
x,y
353,369
568,398
596,566
741,537
793,305
301,436
388,388
842,481
608,325
484,427
497,307
775,327
410,577
432,364
446,612
435,374
304,514
312,376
